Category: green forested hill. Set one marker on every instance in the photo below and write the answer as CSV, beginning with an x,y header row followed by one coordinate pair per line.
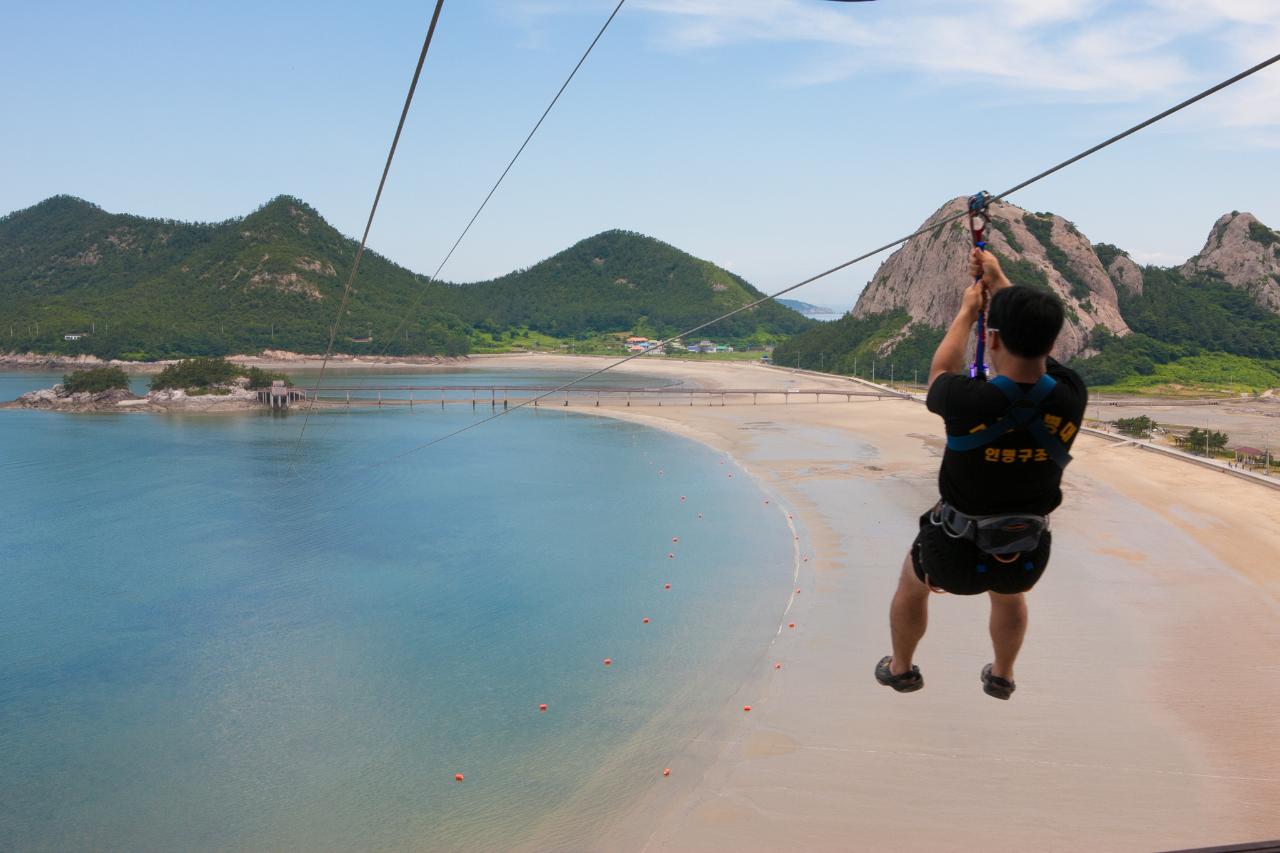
x,y
149,288
1178,317
621,280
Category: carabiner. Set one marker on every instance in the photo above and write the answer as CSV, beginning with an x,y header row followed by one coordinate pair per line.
x,y
978,219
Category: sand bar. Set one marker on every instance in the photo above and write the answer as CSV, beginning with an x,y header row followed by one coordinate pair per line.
x,y
1145,716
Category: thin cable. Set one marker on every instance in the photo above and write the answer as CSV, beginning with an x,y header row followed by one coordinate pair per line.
x,y
436,275
1047,172
355,266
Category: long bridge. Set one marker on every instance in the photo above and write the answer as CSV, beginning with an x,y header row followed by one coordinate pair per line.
x,y
505,396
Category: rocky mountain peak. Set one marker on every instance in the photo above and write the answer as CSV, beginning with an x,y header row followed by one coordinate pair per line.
x,y
927,276
1244,253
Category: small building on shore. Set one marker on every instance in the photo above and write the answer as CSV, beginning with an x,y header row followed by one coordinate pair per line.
x,y
280,395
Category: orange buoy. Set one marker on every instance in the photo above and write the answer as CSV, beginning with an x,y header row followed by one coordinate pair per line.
x,y
791,624
671,556
645,620
666,771
666,586
746,707
542,707
457,777
682,497
609,661
777,666
797,590
675,538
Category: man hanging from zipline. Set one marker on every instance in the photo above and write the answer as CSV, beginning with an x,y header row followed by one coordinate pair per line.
x,y
1007,443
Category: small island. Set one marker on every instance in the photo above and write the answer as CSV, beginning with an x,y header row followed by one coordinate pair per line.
x,y
189,385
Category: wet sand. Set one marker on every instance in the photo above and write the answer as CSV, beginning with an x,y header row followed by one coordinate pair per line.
x,y
1145,714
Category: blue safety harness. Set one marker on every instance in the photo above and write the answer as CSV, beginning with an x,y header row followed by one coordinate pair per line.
x,y
1024,412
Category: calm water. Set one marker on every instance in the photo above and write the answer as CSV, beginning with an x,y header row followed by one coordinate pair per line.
x,y
200,649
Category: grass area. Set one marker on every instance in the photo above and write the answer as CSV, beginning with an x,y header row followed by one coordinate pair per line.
x,y
524,340
1212,373
749,355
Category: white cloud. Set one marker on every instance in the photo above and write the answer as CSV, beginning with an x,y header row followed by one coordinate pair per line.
x,y
1089,49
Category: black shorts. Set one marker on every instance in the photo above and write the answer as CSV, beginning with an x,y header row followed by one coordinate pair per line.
x,y
957,566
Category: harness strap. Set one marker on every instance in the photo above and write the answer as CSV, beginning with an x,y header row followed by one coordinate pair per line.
x,y
1024,411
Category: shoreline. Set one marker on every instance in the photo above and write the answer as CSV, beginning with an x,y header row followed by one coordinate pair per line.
x,y
267,360
826,759
1157,623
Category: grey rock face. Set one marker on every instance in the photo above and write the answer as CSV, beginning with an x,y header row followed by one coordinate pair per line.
x,y
927,276
1125,273
1244,253
58,398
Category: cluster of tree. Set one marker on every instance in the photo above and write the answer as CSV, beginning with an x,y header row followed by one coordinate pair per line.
x,y
203,372
145,289
94,380
1140,426
1205,441
852,346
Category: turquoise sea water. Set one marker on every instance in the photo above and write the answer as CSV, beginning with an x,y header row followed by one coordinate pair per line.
x,y
201,649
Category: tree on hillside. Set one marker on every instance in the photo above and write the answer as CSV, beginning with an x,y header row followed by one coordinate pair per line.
x,y
94,380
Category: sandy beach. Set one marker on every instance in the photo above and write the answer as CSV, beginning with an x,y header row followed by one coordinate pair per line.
x,y
1145,714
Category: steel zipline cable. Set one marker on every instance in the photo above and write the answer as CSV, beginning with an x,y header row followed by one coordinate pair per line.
x,y
948,220
355,265
436,275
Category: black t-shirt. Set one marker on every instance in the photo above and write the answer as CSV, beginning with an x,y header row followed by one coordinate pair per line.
x,y
1012,473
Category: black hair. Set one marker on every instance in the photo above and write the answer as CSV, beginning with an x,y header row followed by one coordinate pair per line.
x,y
1028,320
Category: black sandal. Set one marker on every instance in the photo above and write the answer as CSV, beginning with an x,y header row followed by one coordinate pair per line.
x,y
994,685
907,682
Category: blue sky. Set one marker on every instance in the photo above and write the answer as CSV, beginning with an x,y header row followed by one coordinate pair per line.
x,y
775,137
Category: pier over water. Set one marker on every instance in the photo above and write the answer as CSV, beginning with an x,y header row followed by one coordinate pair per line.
x,y
506,396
